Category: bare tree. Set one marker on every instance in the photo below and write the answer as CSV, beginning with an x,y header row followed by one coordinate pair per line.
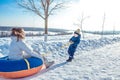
x,y
80,23
42,8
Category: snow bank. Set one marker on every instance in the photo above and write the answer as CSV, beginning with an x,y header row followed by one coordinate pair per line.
x,y
85,45
97,43
55,45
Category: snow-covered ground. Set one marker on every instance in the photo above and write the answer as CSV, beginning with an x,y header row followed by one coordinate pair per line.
x,y
96,58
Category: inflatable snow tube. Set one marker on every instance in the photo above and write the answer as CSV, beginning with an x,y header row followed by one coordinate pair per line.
x,y
20,68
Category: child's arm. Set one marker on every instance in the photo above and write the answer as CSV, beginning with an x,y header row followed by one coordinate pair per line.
x,y
72,40
75,40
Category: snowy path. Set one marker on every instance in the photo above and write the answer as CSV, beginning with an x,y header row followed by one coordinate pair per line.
x,y
98,64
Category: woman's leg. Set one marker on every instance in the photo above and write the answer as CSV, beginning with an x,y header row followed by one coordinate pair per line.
x,y
4,58
46,62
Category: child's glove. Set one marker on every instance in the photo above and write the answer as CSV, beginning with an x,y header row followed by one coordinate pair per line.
x,y
71,42
67,44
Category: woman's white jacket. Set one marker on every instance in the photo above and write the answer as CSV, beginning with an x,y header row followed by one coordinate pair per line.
x,y
20,50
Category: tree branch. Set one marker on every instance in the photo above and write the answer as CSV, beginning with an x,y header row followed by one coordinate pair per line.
x,y
31,8
51,1
57,6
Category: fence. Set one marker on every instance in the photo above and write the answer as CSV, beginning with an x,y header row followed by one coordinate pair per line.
x,y
33,33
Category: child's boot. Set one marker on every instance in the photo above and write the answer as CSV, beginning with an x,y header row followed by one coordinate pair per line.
x,y
69,60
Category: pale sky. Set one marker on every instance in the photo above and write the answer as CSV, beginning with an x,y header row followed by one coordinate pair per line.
x,y
66,18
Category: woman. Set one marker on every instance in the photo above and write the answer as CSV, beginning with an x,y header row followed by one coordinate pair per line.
x,y
19,49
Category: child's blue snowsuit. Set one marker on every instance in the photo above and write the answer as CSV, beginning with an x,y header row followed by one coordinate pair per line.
x,y
72,47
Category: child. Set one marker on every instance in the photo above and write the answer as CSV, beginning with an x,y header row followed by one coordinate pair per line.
x,y
74,41
19,49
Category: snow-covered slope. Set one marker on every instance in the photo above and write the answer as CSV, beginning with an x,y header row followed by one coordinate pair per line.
x,y
95,58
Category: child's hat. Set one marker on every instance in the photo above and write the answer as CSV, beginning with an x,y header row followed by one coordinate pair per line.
x,y
77,32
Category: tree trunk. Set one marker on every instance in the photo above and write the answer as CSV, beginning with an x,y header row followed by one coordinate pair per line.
x,y
45,37
46,29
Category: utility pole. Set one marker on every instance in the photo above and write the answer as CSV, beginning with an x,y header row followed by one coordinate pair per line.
x,y
103,25
113,31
